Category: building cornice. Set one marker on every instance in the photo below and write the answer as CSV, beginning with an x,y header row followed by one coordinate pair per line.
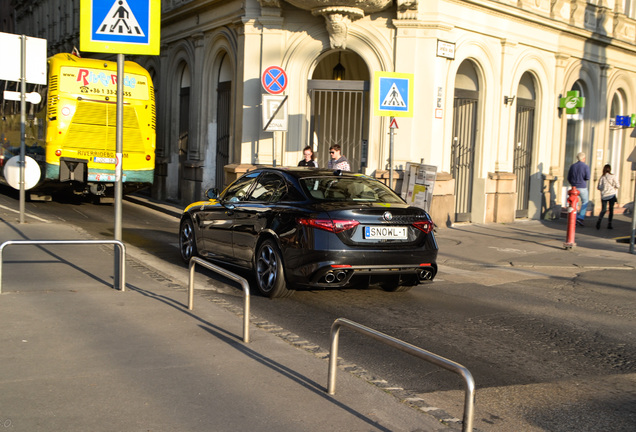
x,y
419,24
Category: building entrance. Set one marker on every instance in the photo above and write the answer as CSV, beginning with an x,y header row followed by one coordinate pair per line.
x,y
463,151
338,117
223,131
524,136
339,95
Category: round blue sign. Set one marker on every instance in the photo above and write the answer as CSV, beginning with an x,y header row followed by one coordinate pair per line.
x,y
274,80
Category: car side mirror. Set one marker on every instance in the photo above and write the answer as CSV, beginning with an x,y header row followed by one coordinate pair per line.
x,y
212,193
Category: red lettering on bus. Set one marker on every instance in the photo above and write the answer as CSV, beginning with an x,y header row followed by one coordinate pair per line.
x,y
83,73
113,79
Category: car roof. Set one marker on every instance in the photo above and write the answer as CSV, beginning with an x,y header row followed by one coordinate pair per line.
x,y
301,172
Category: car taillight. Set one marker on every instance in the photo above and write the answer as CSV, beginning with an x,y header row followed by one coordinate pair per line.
x,y
425,226
334,226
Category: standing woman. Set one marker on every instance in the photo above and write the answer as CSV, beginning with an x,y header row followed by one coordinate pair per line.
x,y
308,161
608,185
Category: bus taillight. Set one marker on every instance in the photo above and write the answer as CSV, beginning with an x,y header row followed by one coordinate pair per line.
x,y
58,152
148,157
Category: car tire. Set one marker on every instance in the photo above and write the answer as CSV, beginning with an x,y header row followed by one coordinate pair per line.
x,y
187,240
269,271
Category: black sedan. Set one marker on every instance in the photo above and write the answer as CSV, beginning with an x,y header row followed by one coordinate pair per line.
x,y
305,227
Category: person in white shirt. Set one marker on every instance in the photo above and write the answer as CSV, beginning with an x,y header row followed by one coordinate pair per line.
x,y
608,185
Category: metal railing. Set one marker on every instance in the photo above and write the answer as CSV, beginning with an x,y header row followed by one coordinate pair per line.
x,y
411,349
122,258
229,275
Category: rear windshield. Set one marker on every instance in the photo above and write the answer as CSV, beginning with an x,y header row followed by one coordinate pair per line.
x,y
349,189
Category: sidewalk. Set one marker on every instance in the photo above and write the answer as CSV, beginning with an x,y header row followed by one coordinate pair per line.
x,y
79,355
534,244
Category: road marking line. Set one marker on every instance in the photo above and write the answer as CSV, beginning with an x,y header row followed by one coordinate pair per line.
x,y
29,215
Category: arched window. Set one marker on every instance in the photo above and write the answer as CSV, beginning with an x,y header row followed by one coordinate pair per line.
x,y
524,141
223,119
617,135
574,138
184,111
465,119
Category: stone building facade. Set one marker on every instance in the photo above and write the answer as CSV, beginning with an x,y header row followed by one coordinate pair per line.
x,y
489,80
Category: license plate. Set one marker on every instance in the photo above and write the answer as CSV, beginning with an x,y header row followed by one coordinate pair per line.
x,y
105,160
100,177
385,233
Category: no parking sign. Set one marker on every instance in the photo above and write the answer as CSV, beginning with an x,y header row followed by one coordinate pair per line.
x,y
274,80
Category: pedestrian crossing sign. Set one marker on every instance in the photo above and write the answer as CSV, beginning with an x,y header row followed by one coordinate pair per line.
x,y
393,94
120,26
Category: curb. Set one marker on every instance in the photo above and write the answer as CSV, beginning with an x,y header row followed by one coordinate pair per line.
x,y
169,209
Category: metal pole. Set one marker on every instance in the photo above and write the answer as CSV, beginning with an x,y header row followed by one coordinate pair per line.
x,y
229,275
391,153
22,122
631,241
119,244
469,382
119,134
274,149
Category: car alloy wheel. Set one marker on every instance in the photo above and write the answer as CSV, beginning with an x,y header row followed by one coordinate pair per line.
x,y
270,276
187,241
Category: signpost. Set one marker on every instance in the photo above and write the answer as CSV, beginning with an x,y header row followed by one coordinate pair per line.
x,y
31,68
274,113
393,97
572,102
274,80
632,159
122,27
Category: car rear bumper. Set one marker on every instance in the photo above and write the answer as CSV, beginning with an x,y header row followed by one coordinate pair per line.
x,y
343,276
340,270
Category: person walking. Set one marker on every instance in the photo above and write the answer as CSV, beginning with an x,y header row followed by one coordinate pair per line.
x,y
308,158
338,161
608,185
578,176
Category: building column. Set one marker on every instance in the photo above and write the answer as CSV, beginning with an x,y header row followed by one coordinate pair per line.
x,y
261,45
501,204
193,166
162,153
559,132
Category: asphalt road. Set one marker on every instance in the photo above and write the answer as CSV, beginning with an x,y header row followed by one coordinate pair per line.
x,y
549,352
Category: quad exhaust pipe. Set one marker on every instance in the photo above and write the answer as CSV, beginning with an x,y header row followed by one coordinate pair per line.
x,y
425,274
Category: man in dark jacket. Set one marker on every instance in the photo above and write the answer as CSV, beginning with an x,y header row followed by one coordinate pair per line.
x,y
578,176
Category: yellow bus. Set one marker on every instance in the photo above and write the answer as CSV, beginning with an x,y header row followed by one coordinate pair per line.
x,y
71,133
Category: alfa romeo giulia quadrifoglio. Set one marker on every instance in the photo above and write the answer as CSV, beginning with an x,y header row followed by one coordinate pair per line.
x,y
312,228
